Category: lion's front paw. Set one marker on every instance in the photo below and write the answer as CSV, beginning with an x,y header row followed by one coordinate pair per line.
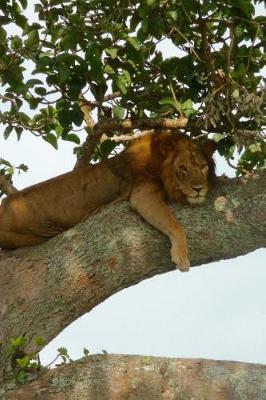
x,y
180,258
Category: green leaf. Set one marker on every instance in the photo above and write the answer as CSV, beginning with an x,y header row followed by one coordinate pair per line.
x,y
133,41
63,351
23,362
118,112
20,341
52,139
23,3
69,41
172,15
5,162
86,351
23,167
112,52
33,39
19,131
40,341
20,20
3,34
4,20
33,82
106,148
16,43
172,102
123,81
235,94
167,100
108,69
71,137
63,71
217,137
7,131
255,147
187,108
239,72
20,376
40,90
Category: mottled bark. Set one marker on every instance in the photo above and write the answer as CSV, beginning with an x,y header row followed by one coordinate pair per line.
x,y
115,377
45,288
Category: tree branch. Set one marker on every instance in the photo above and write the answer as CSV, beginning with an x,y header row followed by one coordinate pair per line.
x,y
5,186
104,377
128,124
73,272
91,141
141,123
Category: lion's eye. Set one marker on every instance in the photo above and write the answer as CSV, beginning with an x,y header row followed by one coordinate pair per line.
x,y
183,168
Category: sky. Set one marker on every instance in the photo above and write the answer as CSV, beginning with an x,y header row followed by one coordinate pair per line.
x,y
215,311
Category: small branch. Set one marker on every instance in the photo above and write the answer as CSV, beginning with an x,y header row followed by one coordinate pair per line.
x,y
128,124
91,142
251,48
142,123
191,46
5,186
108,97
177,104
206,47
125,138
87,107
229,53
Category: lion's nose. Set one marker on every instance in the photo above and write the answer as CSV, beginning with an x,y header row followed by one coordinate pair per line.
x,y
198,189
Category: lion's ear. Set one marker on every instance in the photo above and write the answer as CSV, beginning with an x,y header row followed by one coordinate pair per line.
x,y
209,146
167,146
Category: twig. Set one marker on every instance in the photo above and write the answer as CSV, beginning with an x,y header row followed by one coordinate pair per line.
x,y
52,362
251,48
87,107
229,53
124,138
191,46
177,104
206,47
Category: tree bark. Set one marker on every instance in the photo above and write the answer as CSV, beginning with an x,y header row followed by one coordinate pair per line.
x,y
45,288
116,377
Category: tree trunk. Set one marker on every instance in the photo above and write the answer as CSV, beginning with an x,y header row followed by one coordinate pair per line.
x,y
115,377
45,288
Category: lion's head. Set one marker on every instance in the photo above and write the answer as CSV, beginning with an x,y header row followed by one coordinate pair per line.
x,y
187,167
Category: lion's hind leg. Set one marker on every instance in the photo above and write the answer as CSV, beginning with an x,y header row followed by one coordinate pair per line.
x,y
13,240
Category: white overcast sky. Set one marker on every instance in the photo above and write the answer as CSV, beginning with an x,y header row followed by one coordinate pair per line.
x,y
215,311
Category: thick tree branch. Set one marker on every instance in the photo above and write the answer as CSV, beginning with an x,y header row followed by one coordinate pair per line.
x,y
105,377
45,288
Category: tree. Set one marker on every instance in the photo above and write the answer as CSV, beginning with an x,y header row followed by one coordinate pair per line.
x,y
105,55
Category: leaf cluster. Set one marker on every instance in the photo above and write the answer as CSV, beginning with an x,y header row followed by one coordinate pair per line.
x,y
121,47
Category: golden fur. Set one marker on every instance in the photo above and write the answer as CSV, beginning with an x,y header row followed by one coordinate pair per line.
x,y
150,170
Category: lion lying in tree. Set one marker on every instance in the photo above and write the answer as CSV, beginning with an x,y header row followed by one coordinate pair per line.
x,y
152,169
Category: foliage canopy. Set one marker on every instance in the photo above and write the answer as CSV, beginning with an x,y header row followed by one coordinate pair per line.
x,y
115,54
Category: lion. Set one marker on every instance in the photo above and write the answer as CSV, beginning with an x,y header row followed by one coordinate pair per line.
x,y
153,169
